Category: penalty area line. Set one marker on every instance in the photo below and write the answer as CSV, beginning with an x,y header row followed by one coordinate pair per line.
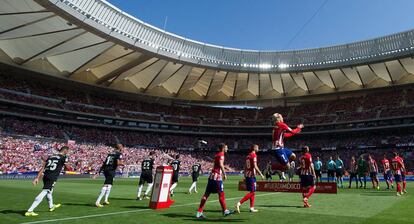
x,y
132,211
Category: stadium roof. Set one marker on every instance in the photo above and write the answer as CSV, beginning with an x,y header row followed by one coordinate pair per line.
x,y
94,42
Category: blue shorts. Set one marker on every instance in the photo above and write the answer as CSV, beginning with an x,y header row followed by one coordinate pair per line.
x,y
388,175
214,186
306,181
397,177
403,177
282,155
251,184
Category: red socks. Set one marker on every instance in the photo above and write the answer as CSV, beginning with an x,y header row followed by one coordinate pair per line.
x,y
398,187
247,197
222,200
309,193
404,185
202,203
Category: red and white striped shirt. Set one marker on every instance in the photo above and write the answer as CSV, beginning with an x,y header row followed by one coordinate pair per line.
x,y
216,173
281,131
373,166
249,170
305,164
385,165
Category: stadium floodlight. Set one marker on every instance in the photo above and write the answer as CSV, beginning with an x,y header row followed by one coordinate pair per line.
x,y
265,66
282,66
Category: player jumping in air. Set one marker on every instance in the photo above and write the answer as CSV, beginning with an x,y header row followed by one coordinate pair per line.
x,y
195,173
250,170
373,172
176,169
387,172
397,166
307,176
50,171
280,132
215,182
112,161
147,166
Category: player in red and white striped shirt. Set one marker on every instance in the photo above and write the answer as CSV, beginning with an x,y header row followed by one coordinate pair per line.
x,y
373,170
215,183
307,176
387,171
397,167
280,132
250,170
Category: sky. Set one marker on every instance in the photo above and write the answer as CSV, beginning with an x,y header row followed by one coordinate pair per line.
x,y
275,24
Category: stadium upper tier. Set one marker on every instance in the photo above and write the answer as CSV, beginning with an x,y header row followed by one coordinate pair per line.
x,y
94,42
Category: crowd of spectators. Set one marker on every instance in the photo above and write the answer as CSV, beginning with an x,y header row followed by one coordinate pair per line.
x,y
26,154
385,104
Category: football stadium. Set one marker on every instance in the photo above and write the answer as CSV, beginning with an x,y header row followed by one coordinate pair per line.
x,y
105,118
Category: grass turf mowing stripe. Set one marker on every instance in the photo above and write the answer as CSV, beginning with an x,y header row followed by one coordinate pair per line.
x,y
132,211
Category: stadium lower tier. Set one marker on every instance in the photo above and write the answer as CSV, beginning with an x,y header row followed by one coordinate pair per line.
x,y
25,143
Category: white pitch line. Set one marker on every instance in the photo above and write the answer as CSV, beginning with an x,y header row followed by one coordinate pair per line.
x,y
131,211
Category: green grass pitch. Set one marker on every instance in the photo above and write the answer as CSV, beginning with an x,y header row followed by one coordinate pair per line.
x,y
78,196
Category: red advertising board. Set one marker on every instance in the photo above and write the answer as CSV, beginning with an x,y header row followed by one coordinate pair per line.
x,y
292,187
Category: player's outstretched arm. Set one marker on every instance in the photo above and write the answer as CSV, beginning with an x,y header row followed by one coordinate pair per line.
x,y
292,132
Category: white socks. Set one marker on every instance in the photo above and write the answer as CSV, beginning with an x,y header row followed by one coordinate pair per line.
x,y
193,186
108,190
103,191
50,198
173,187
140,190
38,200
149,188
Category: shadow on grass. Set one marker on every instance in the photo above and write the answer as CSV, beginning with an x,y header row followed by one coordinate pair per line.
x,y
136,207
279,206
207,220
18,212
79,204
123,199
378,193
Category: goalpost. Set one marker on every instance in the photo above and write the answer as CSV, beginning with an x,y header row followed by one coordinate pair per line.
x,y
131,171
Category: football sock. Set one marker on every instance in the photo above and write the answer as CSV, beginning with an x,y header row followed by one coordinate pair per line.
x,y
404,184
140,190
173,187
38,200
252,200
193,185
50,198
107,192
310,191
399,187
149,188
246,197
222,200
202,203
103,190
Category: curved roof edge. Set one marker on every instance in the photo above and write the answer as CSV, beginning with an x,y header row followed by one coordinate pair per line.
x,y
120,25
